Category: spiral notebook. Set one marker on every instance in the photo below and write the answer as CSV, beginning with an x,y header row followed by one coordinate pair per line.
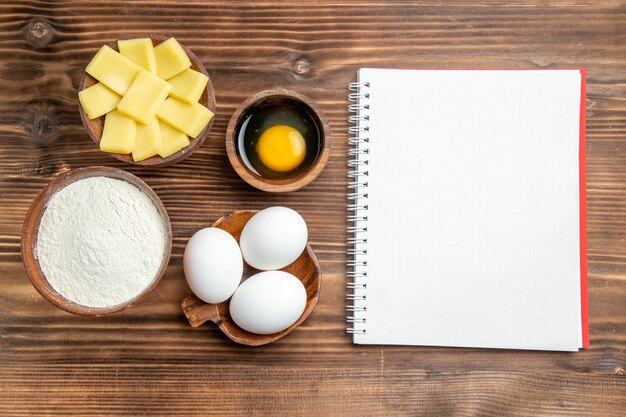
x,y
467,213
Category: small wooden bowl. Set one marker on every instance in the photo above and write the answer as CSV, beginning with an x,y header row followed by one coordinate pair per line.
x,y
306,268
31,229
94,127
278,185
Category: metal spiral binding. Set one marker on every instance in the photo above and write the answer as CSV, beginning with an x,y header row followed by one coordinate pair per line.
x,y
356,174
356,229
352,196
357,207
352,319
353,219
355,162
357,140
356,252
357,240
354,152
357,118
355,108
357,86
353,130
356,184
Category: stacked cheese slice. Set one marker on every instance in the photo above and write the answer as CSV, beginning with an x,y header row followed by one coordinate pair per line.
x,y
149,95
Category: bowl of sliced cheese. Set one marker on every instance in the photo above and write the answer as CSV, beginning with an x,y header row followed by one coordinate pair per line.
x,y
147,101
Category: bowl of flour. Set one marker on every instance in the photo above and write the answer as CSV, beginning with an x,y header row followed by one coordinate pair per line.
x,y
96,241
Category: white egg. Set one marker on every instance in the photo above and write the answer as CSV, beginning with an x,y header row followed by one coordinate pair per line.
x,y
268,302
273,238
213,264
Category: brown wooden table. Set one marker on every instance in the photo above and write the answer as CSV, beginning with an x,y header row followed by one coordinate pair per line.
x,y
148,360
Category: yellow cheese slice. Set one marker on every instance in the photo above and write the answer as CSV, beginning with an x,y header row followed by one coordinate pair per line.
x,y
98,100
148,140
190,118
172,140
112,69
144,97
188,85
140,51
171,58
118,135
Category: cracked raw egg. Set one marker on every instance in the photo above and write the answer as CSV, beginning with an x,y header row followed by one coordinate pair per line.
x,y
279,138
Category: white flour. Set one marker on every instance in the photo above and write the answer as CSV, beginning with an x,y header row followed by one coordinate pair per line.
x,y
101,242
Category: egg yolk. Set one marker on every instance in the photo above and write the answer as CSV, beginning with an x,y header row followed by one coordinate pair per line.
x,y
281,148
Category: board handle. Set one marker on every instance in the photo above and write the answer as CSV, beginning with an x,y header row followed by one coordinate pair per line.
x,y
198,312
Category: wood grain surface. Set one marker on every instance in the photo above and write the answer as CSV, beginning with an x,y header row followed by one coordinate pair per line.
x,y
147,360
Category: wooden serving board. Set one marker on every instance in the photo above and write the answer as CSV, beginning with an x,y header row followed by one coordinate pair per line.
x,y
147,360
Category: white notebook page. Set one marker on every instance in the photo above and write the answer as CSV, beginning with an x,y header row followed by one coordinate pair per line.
x,y
473,217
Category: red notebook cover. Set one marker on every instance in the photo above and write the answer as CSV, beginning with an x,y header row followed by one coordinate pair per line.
x,y
583,210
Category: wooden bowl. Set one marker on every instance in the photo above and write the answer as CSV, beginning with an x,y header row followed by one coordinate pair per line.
x,y
31,229
286,184
94,127
306,268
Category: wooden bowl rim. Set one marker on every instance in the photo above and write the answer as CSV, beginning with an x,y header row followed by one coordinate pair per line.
x,y
280,186
263,339
30,231
155,161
